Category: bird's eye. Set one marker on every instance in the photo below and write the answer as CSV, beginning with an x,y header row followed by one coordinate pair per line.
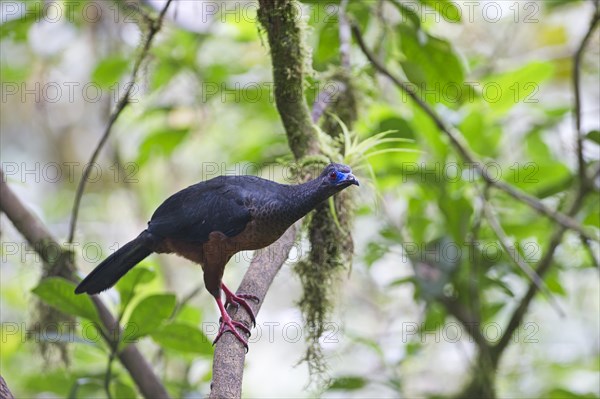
x,y
333,175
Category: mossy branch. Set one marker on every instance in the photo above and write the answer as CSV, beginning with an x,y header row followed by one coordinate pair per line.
x,y
281,21
44,243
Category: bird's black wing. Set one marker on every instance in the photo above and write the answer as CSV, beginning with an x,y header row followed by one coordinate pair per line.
x,y
195,212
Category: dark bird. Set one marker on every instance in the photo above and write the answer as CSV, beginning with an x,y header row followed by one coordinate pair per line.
x,y
211,221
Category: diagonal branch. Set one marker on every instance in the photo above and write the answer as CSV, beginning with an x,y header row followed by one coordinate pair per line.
x,y
462,148
155,26
4,390
541,269
228,364
280,20
546,262
40,239
517,258
577,92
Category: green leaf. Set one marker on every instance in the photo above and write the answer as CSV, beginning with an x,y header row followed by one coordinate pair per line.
x,y
593,218
458,213
434,319
148,315
446,8
120,390
18,29
183,337
560,393
128,283
109,71
553,283
347,383
189,314
482,134
161,142
402,281
407,13
164,71
374,252
490,310
432,65
594,136
60,293
503,91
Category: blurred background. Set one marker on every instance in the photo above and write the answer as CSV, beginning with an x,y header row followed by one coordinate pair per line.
x,y
203,106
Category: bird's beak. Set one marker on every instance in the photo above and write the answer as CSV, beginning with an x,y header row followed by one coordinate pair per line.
x,y
351,179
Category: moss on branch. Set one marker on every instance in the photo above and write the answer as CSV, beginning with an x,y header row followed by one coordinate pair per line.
x,y
281,21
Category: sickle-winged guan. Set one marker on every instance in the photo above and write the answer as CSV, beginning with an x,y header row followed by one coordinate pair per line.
x,y
211,221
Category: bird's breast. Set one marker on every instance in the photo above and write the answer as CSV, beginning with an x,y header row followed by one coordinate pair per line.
x,y
257,234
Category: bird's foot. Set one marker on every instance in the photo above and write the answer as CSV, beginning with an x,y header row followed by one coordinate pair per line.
x,y
240,299
228,324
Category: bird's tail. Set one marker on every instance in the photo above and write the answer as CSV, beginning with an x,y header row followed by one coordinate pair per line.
x,y
107,273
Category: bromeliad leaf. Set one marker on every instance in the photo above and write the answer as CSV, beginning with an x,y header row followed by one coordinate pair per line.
x,y
60,293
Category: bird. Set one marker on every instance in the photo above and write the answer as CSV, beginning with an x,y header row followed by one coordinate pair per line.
x,y
209,222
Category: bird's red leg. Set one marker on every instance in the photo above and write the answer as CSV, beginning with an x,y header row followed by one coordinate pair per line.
x,y
237,300
228,324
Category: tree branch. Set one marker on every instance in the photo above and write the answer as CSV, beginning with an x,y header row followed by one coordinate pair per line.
x,y
40,239
154,27
577,93
463,150
517,257
546,262
228,363
280,20
542,268
4,390
469,321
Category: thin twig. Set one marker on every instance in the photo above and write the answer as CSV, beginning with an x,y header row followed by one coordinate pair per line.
x,y
517,257
474,271
462,148
546,262
577,93
108,374
119,107
185,300
541,269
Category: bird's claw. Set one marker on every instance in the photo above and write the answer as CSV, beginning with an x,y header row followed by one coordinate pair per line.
x,y
230,325
235,300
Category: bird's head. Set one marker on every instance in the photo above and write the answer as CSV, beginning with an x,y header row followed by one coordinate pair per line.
x,y
337,177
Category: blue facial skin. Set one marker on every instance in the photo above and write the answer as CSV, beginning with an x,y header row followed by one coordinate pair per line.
x,y
341,177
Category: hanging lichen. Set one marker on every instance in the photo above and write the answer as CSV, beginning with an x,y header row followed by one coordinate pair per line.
x,y
49,324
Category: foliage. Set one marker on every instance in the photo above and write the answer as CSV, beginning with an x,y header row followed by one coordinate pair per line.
x,y
424,253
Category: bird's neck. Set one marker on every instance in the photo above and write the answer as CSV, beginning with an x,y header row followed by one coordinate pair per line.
x,y
307,196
